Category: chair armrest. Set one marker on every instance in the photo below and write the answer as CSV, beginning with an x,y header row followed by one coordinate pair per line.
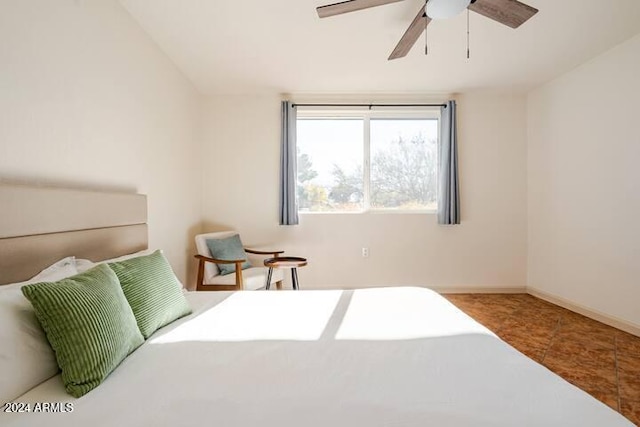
x,y
238,262
219,261
253,251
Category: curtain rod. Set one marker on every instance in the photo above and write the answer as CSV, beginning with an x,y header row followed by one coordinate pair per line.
x,y
369,105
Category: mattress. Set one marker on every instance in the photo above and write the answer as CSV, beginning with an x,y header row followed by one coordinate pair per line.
x,y
369,357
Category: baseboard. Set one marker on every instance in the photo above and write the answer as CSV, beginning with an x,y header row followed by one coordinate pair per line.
x,y
441,289
479,289
585,311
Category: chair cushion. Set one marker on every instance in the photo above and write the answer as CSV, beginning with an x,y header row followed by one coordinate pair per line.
x,y
153,291
254,278
88,323
229,248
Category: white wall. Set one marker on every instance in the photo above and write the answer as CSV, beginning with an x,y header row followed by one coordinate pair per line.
x,y
240,191
88,100
584,185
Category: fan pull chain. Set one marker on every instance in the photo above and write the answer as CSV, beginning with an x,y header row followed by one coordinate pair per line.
x,y
426,26
468,50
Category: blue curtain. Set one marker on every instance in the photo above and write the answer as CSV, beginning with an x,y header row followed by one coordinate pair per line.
x,y
449,191
288,166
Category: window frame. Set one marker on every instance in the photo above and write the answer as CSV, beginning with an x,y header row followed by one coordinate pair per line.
x,y
398,113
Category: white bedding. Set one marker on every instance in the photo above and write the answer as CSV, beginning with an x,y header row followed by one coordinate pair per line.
x,y
371,357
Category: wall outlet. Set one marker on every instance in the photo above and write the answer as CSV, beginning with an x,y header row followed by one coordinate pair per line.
x,y
365,252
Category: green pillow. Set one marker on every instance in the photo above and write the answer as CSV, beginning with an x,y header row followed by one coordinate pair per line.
x,y
153,291
227,250
88,323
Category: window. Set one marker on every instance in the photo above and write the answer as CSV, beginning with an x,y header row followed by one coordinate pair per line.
x,y
367,161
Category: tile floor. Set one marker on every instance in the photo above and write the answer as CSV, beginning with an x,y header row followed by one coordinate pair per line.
x,y
601,360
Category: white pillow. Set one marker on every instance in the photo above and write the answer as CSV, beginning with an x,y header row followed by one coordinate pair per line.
x,y
26,358
83,265
62,269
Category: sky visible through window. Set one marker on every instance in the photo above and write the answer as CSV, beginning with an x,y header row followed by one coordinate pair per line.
x,y
331,142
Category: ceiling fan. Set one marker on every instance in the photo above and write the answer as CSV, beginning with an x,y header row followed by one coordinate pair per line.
x,y
508,12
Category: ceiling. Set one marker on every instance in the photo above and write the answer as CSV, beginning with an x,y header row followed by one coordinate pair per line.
x,y
231,46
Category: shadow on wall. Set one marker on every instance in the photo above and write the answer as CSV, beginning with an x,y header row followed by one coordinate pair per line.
x,y
191,262
212,227
248,240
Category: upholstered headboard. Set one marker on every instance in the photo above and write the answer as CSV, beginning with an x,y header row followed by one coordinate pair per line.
x,y
40,225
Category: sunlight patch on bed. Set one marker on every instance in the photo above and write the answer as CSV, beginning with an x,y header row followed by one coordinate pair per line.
x,y
413,313
256,316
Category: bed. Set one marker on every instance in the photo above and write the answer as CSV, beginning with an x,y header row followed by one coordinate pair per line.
x,y
398,356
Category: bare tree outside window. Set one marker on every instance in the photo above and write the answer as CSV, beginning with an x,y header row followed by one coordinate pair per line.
x,y
404,168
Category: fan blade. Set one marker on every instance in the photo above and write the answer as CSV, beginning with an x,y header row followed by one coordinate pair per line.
x,y
350,6
410,36
508,12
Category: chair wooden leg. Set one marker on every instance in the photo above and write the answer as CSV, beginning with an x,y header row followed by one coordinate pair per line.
x,y
200,279
279,285
239,278
267,284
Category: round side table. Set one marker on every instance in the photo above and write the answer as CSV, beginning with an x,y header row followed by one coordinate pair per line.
x,y
292,262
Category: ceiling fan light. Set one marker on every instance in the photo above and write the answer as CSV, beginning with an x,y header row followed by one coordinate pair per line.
x,y
445,9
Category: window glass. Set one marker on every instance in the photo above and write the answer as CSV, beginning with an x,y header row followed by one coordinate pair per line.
x,y
403,164
367,161
330,164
